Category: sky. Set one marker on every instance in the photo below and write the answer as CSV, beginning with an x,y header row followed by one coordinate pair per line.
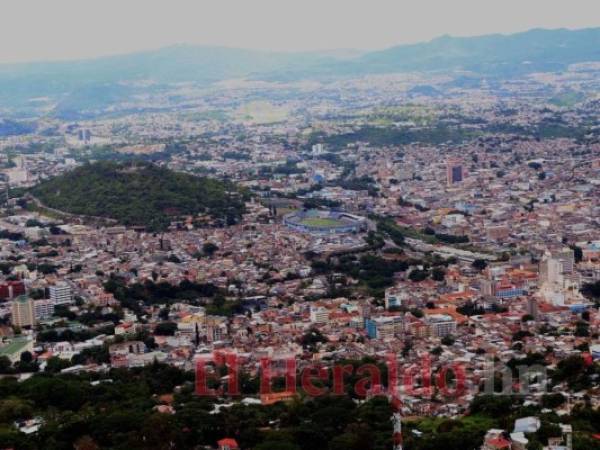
x,y
33,30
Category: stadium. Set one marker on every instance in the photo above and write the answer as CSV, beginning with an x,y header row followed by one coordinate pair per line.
x,y
324,222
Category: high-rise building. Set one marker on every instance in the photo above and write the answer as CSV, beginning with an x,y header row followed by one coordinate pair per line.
x,y
61,294
454,171
532,308
12,289
84,135
23,313
441,325
550,271
556,265
566,257
43,309
319,315
317,149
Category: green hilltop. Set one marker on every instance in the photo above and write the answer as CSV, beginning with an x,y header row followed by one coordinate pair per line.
x,y
139,194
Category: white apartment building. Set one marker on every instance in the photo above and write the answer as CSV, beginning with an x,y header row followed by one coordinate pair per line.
x,y
61,294
43,309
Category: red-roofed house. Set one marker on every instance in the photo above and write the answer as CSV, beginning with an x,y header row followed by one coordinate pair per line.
x,y
228,444
497,444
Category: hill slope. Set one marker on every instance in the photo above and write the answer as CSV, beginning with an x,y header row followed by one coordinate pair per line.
x,y
141,194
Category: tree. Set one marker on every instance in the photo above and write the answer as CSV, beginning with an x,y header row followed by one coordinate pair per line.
x,y
553,401
164,313
209,248
165,329
479,264
56,364
492,405
548,430
312,337
437,351
85,443
174,259
277,445
26,357
591,290
139,193
520,335
569,368
447,340
577,253
5,364
417,313
418,275
37,294
13,408
438,274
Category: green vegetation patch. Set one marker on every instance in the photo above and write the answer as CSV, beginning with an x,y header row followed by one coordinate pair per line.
x,y
141,194
322,222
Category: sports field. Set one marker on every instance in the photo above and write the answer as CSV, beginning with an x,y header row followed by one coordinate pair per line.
x,y
321,222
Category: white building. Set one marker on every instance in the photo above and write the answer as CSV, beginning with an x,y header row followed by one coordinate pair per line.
x,y
43,309
61,294
319,315
441,325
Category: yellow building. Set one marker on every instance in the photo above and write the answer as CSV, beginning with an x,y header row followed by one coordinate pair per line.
x,y
23,313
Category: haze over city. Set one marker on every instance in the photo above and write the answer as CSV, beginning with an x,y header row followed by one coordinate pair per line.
x,y
33,30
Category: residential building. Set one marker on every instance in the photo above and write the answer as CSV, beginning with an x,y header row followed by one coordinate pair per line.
x,y
43,309
23,312
61,294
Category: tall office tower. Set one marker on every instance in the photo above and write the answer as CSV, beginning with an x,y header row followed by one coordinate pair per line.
x,y
43,309
23,313
532,308
84,135
567,259
550,270
317,150
455,172
61,294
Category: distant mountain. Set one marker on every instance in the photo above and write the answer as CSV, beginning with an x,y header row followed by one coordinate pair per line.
x,y
140,194
177,63
531,51
75,81
75,86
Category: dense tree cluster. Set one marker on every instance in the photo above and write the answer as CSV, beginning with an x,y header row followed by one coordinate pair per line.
x,y
118,410
374,271
136,295
139,194
592,290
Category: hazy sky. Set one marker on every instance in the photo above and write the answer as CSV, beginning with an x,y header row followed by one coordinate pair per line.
x,y
65,29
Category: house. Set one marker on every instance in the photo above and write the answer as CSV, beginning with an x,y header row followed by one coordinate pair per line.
x,y
496,439
228,444
126,328
527,425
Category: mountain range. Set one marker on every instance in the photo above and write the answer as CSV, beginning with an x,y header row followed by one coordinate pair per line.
x,y
110,79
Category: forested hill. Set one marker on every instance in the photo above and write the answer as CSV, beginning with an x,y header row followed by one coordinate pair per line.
x,y
139,194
